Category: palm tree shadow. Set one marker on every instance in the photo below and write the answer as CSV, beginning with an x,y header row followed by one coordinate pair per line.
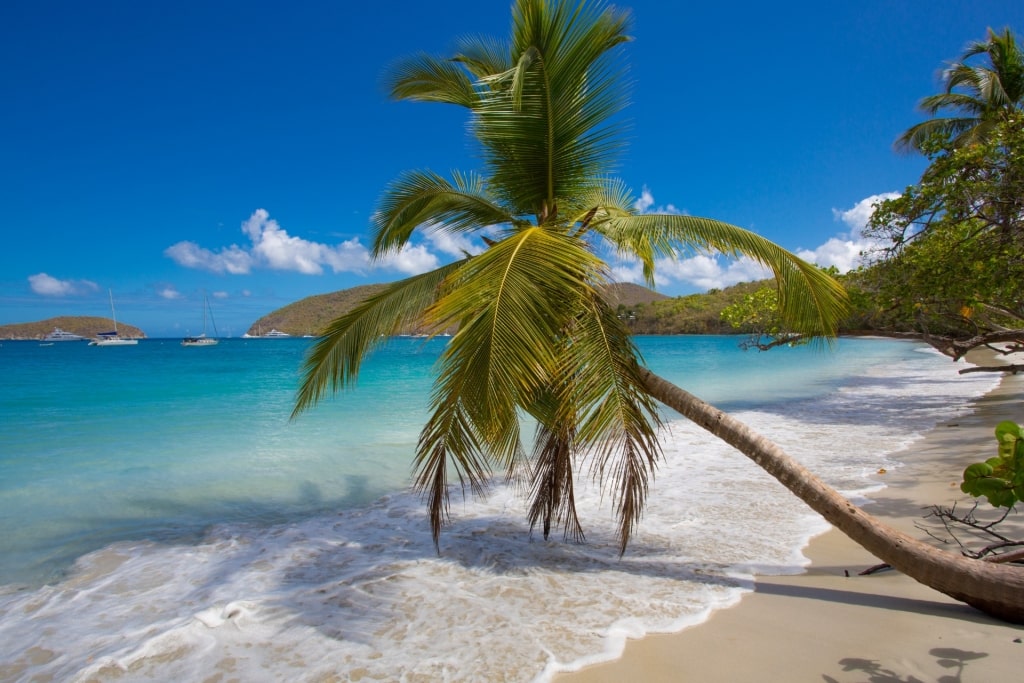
x,y
946,657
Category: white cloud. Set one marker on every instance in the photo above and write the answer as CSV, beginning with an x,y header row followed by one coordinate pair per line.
x,y
701,271
857,217
845,250
233,260
272,247
457,245
220,294
47,285
711,271
168,292
646,201
845,255
627,271
411,260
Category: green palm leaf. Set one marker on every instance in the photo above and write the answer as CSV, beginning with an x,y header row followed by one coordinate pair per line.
x,y
508,306
423,199
424,78
334,360
810,301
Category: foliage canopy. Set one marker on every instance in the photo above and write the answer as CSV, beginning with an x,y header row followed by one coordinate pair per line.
x,y
951,260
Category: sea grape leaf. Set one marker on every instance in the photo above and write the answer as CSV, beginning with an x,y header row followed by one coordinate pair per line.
x,y
1008,434
1000,479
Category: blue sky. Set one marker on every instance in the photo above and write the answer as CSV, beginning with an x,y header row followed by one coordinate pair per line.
x,y
163,150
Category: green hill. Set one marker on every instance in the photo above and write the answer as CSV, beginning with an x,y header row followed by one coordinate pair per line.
x,y
628,294
690,314
312,314
86,326
646,311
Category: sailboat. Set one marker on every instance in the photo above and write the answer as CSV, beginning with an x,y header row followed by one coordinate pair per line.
x,y
112,338
202,339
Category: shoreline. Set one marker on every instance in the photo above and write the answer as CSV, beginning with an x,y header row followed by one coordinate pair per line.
x,y
831,624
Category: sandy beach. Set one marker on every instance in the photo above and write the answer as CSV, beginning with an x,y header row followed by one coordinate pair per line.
x,y
831,624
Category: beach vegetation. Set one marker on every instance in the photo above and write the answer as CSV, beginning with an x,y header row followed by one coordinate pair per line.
x,y
535,337
757,315
1000,479
950,265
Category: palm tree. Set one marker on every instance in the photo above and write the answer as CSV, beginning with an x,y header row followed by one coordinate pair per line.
x,y
979,95
535,336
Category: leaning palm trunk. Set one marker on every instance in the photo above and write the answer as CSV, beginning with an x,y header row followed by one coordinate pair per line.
x,y
997,590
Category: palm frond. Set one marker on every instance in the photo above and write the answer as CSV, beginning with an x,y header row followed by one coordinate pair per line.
x,y
915,137
551,131
420,199
810,301
510,304
609,200
552,494
448,445
333,362
976,94
617,421
507,305
425,78
483,57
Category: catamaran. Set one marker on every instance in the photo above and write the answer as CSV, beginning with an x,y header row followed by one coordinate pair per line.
x,y
202,339
112,338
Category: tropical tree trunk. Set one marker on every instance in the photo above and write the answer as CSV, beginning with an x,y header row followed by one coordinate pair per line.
x,y
997,590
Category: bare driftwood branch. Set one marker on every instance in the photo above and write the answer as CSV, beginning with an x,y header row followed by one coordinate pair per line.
x,y
1012,369
952,522
968,522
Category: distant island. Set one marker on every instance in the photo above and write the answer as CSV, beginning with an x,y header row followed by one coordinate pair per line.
x,y
85,326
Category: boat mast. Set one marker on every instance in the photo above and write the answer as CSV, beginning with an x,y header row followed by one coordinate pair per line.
x,y
113,315
212,321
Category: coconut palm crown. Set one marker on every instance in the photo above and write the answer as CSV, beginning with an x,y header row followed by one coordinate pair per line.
x,y
979,95
534,335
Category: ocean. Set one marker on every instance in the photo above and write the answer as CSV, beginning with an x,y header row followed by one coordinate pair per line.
x,y
161,518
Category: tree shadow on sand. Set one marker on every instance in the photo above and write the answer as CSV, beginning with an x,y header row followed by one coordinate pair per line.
x,y
951,658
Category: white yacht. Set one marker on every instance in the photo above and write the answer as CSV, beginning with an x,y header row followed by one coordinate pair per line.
x,y
60,335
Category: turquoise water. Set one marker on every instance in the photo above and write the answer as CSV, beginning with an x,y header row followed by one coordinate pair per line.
x,y
158,441
151,495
